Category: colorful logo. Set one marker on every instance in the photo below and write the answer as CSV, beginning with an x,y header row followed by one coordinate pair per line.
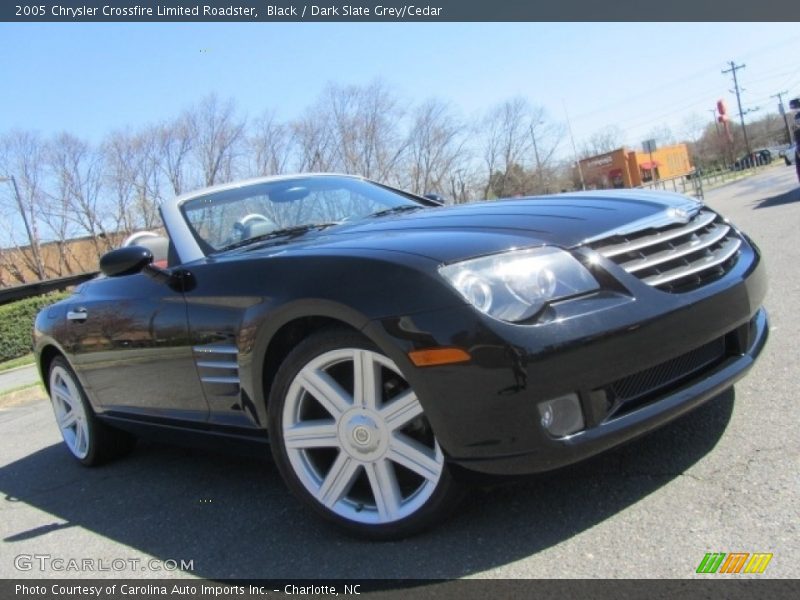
x,y
734,562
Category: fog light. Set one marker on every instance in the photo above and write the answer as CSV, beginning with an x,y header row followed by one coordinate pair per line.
x,y
562,416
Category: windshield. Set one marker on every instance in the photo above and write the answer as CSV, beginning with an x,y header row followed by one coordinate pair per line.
x,y
231,218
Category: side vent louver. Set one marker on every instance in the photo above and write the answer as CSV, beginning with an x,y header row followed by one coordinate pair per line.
x,y
218,366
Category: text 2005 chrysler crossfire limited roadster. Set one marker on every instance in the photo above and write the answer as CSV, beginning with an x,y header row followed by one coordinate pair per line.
x,y
385,346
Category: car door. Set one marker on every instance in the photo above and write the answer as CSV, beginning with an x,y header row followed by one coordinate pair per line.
x,y
130,346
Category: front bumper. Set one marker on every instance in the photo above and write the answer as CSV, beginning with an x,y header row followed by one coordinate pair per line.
x,y
610,433
485,412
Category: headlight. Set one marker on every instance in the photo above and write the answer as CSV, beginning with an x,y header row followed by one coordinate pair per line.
x,y
516,285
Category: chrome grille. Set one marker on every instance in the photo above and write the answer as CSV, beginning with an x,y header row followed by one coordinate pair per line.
x,y
676,258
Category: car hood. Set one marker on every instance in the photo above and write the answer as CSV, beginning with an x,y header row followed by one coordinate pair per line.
x,y
451,233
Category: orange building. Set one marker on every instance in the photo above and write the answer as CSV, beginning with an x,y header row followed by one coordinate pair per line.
x,y
623,168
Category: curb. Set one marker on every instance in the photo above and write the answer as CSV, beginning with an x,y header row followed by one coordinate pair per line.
x,y
15,369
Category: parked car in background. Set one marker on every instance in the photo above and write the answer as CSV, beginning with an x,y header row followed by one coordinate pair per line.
x,y
384,345
790,155
758,157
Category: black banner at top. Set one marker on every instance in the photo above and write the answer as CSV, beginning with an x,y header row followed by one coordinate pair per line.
x,y
398,10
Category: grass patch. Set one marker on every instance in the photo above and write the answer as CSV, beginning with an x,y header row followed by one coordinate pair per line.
x,y
22,361
22,395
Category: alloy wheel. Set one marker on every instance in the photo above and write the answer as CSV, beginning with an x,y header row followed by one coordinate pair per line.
x,y
356,437
69,411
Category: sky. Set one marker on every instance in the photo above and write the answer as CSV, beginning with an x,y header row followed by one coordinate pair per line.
x,y
93,78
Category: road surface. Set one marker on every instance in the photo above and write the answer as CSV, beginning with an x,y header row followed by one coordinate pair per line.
x,y
18,377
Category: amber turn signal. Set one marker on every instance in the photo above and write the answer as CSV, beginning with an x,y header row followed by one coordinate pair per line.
x,y
438,356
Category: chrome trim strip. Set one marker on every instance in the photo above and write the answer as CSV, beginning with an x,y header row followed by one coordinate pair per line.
x,y
727,251
668,216
233,380
705,218
709,239
216,364
216,349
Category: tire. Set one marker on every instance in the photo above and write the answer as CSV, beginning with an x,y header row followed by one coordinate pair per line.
x,y
89,440
350,439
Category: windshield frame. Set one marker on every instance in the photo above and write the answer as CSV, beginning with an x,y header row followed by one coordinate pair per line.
x,y
191,246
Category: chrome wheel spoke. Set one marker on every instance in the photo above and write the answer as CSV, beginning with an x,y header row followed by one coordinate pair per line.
x,y
415,457
401,410
385,489
80,438
338,480
312,434
68,419
325,389
63,395
366,380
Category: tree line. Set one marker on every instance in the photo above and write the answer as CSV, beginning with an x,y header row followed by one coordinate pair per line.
x,y
70,188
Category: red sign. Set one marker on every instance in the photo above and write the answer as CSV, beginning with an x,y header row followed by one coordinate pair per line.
x,y
721,108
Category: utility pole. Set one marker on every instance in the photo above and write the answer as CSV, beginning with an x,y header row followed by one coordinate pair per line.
x,y
779,96
536,154
733,69
713,112
574,148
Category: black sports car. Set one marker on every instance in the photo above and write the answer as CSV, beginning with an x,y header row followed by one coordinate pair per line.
x,y
386,346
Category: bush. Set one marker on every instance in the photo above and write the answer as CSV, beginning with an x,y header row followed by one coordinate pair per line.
x,y
16,324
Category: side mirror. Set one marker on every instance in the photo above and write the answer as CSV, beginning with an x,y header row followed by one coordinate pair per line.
x,y
125,261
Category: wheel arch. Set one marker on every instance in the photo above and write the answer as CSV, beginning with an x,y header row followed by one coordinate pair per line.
x,y
47,354
279,334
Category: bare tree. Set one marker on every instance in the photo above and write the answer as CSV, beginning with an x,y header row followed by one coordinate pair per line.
x,y
603,140
148,180
693,127
76,170
21,158
56,220
519,144
176,140
662,134
352,129
366,121
316,147
436,149
270,145
133,168
506,142
217,133
546,136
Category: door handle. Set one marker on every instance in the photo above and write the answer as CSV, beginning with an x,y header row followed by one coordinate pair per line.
x,y
77,315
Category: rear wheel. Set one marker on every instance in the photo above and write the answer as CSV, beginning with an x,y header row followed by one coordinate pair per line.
x,y
89,440
351,440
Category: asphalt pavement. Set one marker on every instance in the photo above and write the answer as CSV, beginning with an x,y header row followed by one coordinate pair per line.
x,y
722,479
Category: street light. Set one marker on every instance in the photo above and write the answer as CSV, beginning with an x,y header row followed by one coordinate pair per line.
x,y
34,249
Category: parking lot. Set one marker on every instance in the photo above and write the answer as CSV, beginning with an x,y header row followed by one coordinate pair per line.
x,y
725,478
